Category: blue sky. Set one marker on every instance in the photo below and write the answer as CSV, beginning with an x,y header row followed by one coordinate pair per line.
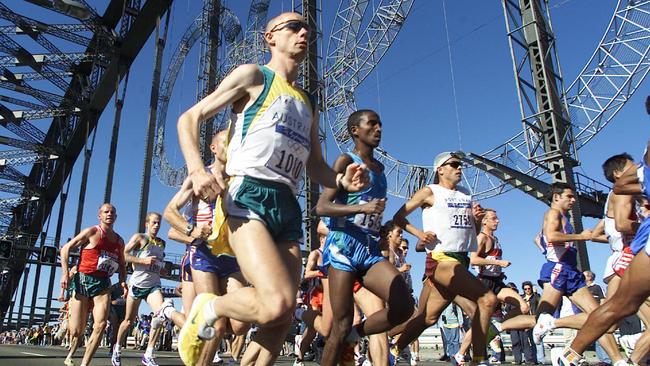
x,y
412,91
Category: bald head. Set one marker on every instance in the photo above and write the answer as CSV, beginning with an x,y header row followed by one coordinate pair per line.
x,y
282,18
218,144
106,206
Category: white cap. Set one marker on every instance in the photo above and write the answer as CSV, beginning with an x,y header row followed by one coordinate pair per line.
x,y
442,158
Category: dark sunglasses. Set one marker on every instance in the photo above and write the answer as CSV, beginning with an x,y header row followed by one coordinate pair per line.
x,y
293,25
454,164
527,288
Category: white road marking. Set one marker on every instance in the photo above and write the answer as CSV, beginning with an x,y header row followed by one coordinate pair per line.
x,y
33,354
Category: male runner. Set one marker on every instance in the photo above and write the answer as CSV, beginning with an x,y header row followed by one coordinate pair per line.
x,y
634,288
559,275
449,218
352,246
273,137
144,284
213,266
101,255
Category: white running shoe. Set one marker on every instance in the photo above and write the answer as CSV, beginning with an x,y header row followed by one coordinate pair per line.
x,y
460,359
543,326
298,362
217,359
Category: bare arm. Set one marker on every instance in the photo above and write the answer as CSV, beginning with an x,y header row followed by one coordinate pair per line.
x,y
174,235
134,244
477,259
311,269
628,183
623,207
420,199
78,241
326,206
598,234
173,216
234,87
553,229
122,271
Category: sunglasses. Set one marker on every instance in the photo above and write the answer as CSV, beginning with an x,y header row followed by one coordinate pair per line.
x,y
293,25
404,248
454,164
527,288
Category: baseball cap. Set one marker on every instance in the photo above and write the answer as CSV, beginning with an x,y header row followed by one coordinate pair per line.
x,y
442,158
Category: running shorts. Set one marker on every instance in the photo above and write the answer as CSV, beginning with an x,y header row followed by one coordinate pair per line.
x,y
563,277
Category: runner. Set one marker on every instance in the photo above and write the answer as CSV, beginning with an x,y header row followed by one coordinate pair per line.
x,y
449,233
144,284
352,248
101,255
213,266
634,287
560,277
273,136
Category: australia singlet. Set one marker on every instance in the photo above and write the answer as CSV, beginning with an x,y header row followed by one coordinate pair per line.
x,y
271,139
496,253
565,253
451,219
367,223
148,275
103,259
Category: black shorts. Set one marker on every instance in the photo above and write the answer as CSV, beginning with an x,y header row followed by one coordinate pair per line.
x,y
494,284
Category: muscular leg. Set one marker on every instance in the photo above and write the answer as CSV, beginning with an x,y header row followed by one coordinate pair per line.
x,y
207,282
237,346
341,283
383,280
321,321
231,283
132,305
100,315
586,302
378,343
77,321
270,337
187,297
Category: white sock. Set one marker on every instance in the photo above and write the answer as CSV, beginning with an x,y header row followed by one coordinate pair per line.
x,y
149,352
209,313
117,348
552,322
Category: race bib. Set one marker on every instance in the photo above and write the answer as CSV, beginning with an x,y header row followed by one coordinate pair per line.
x,y
107,262
368,222
291,141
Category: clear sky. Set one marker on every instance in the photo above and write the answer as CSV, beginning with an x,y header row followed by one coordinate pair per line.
x,y
413,93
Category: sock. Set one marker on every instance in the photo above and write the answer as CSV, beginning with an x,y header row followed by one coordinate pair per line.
x,y
571,356
117,348
149,352
167,312
209,313
621,362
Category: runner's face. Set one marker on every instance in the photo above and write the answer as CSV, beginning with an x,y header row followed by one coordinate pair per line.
x,y
153,224
395,236
107,214
491,221
451,170
369,130
566,199
289,35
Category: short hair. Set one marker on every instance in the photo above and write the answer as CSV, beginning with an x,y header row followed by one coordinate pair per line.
x,y
149,214
355,119
590,273
558,188
405,240
526,283
614,164
389,226
107,204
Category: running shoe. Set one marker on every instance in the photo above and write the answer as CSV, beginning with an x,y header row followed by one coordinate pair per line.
x,y
298,362
570,358
116,359
217,359
160,314
543,326
494,361
68,362
195,331
148,361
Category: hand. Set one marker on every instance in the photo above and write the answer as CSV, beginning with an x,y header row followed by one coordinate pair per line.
x,y
64,282
356,177
148,261
62,295
375,205
428,237
586,234
125,289
478,212
504,263
206,186
201,232
405,267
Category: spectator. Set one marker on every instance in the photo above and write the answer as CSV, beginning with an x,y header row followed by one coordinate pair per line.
x,y
532,298
452,319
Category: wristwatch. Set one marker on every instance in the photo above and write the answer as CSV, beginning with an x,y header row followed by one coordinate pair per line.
x,y
188,229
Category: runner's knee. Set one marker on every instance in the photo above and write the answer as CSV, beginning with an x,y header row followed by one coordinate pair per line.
x,y
99,326
276,308
488,301
400,310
